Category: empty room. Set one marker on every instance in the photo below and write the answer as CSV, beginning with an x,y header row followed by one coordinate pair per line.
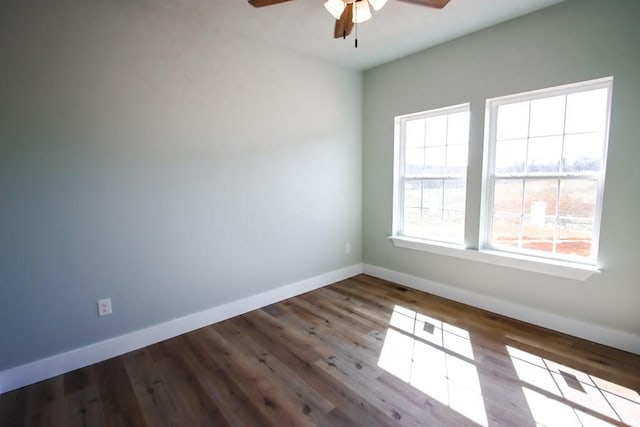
x,y
319,212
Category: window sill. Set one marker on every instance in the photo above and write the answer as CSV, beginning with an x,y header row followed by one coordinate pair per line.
x,y
567,270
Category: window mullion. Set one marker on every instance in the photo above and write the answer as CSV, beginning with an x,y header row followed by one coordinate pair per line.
x,y
521,231
556,221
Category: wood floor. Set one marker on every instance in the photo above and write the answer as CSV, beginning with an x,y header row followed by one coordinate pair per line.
x,y
360,352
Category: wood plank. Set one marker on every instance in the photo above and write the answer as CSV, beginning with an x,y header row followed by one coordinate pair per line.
x,y
159,404
46,403
238,409
13,407
270,401
119,403
330,331
310,402
182,372
84,408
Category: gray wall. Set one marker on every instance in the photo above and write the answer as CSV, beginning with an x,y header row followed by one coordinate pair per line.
x,y
574,41
151,155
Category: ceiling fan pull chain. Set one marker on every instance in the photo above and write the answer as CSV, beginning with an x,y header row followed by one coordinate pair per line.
x,y
356,39
356,43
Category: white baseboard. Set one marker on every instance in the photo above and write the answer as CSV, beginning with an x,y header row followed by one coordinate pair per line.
x,y
610,337
49,367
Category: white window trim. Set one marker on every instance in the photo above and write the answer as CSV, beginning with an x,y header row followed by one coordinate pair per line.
x,y
551,267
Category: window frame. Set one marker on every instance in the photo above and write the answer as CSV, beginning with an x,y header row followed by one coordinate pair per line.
x,y
399,175
489,174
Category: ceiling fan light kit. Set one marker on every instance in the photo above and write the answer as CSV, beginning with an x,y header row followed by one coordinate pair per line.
x,y
377,4
335,7
361,12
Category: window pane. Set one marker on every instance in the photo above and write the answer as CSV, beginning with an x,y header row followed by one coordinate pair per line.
x,y
574,237
457,158
537,233
540,199
413,194
513,121
544,154
508,196
432,197
587,111
432,216
557,146
414,133
437,130
454,197
435,148
458,128
444,230
435,160
443,216
506,230
578,198
583,152
547,116
414,161
511,155
412,224
426,216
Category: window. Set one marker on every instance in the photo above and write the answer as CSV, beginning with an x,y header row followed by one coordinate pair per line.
x,y
431,170
544,171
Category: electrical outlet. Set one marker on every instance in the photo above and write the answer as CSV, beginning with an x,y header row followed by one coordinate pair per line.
x,y
347,248
104,307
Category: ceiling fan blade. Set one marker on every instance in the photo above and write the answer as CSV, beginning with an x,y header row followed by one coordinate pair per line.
x,y
344,25
261,3
438,4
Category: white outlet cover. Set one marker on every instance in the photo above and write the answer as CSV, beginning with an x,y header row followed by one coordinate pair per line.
x,y
104,307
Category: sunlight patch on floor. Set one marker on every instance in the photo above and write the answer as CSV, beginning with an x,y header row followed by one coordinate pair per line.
x,y
562,396
435,358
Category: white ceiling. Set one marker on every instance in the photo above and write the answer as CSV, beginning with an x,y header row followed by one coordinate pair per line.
x,y
395,31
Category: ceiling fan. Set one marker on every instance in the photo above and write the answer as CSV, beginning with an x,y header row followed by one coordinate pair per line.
x,y
350,12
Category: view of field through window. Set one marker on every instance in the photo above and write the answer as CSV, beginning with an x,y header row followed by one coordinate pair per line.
x,y
548,158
